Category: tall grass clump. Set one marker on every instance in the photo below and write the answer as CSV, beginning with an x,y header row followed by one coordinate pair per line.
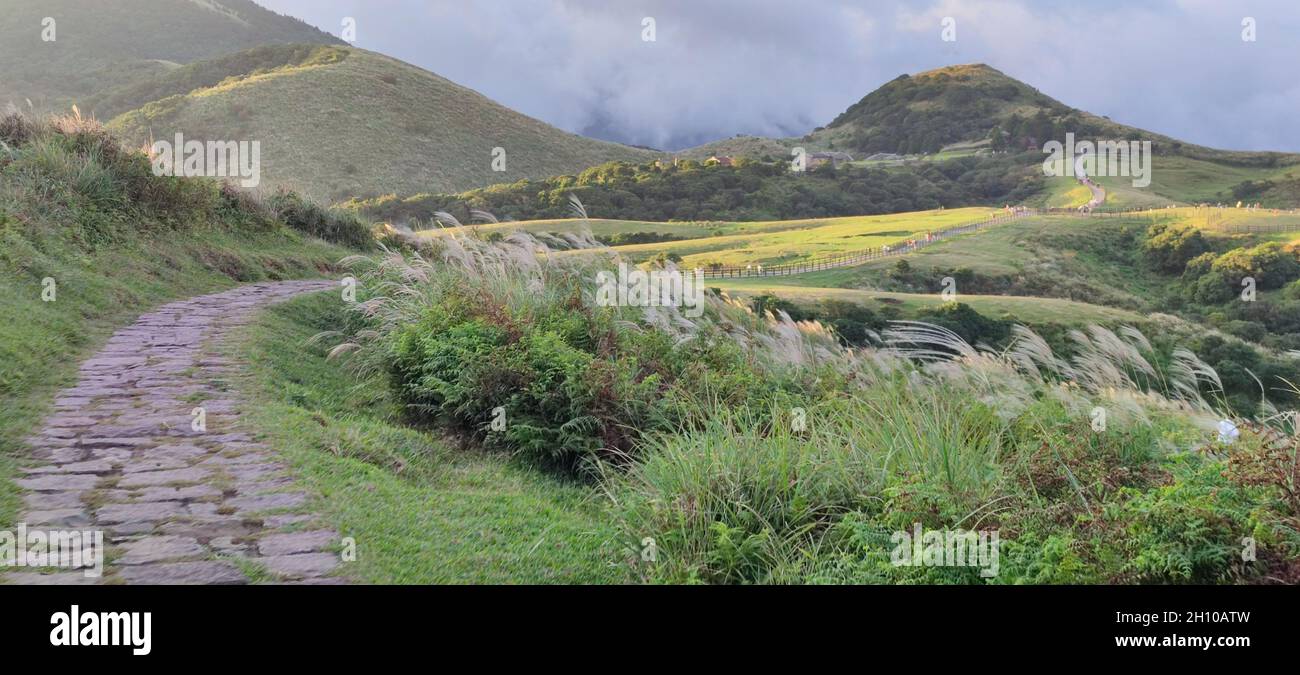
x,y
473,332
333,225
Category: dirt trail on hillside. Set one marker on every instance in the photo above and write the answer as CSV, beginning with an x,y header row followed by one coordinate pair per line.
x,y
1098,193
148,448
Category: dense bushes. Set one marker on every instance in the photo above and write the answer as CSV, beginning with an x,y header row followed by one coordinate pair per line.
x,y
1212,279
532,365
750,190
564,391
1168,248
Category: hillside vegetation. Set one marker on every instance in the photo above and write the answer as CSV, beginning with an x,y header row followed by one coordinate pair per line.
x,y
957,115
431,512
748,191
732,443
99,45
229,69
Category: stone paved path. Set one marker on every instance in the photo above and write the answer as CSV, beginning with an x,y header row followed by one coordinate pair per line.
x,y
177,505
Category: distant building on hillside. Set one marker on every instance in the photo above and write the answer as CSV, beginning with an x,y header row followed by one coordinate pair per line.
x,y
835,159
720,160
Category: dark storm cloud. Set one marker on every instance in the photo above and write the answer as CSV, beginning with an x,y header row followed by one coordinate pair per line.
x,y
782,67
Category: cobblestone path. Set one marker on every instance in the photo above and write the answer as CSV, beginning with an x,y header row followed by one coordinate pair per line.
x,y
147,447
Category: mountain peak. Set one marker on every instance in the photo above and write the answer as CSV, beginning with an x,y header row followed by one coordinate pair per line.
x,y
929,110
963,69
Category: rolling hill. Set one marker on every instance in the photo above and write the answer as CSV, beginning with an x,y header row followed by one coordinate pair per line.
x,y
335,122
100,44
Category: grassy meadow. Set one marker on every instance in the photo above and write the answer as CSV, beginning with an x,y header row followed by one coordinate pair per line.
x,y
1176,180
750,243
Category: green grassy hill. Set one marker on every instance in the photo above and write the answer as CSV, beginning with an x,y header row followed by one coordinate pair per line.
x,y
339,122
100,45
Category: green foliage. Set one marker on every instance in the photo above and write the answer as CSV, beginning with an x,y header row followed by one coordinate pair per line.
x,y
747,191
967,323
1278,192
211,73
630,238
1270,264
332,225
431,513
1169,248
926,112
568,383
1213,288
1187,532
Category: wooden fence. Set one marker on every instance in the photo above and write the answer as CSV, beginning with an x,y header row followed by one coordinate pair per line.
x,y
1260,228
856,257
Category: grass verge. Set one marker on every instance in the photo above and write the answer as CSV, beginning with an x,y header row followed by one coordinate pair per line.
x,y
422,512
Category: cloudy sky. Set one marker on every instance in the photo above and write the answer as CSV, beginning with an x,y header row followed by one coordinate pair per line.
x,y
782,67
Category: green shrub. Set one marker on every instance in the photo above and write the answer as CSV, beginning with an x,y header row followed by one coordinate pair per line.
x,y
967,323
570,383
1270,264
1168,248
1190,531
336,226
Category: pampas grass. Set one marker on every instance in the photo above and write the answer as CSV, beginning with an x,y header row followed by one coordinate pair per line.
x,y
523,272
